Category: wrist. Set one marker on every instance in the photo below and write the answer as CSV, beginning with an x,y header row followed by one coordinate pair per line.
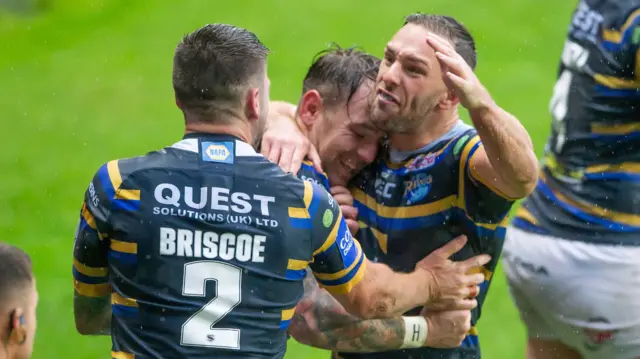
x,y
416,332
482,109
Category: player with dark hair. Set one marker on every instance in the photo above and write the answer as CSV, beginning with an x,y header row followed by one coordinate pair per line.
x,y
436,178
200,248
334,113
18,302
571,254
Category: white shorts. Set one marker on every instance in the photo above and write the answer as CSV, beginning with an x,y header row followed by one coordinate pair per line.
x,y
584,295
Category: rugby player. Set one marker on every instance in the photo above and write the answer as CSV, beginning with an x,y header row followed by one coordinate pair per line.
x,y
334,112
160,234
438,177
18,302
571,255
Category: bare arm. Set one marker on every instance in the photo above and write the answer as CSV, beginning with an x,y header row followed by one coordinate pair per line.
x,y
321,321
507,162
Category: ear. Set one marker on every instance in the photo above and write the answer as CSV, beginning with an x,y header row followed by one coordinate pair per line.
x,y
449,100
253,104
17,327
310,107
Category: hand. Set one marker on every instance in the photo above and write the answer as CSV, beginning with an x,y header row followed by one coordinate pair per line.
x,y
284,143
454,284
447,329
350,213
459,76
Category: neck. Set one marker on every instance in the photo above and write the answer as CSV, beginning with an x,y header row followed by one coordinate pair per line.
x,y
239,129
434,126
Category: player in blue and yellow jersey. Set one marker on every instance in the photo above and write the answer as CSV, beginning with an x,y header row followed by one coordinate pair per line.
x,y
334,112
437,177
573,248
199,250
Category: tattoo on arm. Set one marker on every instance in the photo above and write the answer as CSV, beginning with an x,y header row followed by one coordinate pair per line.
x,y
92,315
322,322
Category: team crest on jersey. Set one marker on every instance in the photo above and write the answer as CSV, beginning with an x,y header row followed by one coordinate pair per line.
x,y
421,162
417,189
221,152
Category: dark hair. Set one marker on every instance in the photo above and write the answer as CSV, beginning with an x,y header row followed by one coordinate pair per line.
x,y
337,73
15,272
452,30
213,65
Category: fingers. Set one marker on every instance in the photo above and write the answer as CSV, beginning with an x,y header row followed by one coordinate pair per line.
x,y
265,146
471,280
296,159
464,304
315,158
474,291
439,44
450,248
353,226
470,264
286,155
449,63
342,196
274,153
349,212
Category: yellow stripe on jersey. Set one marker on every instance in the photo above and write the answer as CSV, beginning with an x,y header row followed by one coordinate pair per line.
x,y
524,213
380,236
612,35
120,300
473,331
309,163
92,290
125,247
422,210
623,218
116,182
296,264
615,129
287,314
626,167
462,173
344,272
88,217
303,213
348,286
298,213
122,355
331,239
90,271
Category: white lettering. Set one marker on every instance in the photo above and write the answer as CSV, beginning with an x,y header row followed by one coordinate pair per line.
x,y
215,198
211,245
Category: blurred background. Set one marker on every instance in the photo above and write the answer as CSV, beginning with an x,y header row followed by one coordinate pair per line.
x,y
83,82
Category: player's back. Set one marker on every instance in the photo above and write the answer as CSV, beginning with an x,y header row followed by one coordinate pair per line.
x,y
590,182
205,260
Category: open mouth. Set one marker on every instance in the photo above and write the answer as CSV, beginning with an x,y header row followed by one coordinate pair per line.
x,y
386,97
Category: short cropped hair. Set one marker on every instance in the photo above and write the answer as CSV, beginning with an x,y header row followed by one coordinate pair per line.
x,y
452,30
337,73
15,273
213,66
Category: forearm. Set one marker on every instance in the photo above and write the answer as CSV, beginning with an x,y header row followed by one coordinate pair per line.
x,y
384,293
92,315
321,321
508,148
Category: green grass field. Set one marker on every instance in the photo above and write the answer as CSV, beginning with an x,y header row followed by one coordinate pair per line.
x,y
88,81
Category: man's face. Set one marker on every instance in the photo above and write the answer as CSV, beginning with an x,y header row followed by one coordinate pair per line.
x,y
409,84
347,141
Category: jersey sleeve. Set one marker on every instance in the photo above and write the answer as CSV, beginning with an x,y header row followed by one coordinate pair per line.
x,y
90,265
485,207
338,259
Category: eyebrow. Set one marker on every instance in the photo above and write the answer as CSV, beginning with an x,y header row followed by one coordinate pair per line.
x,y
408,57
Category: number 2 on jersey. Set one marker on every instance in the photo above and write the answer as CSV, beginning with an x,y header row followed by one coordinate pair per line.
x,y
199,329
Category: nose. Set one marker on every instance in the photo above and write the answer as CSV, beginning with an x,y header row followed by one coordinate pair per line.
x,y
367,152
391,77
